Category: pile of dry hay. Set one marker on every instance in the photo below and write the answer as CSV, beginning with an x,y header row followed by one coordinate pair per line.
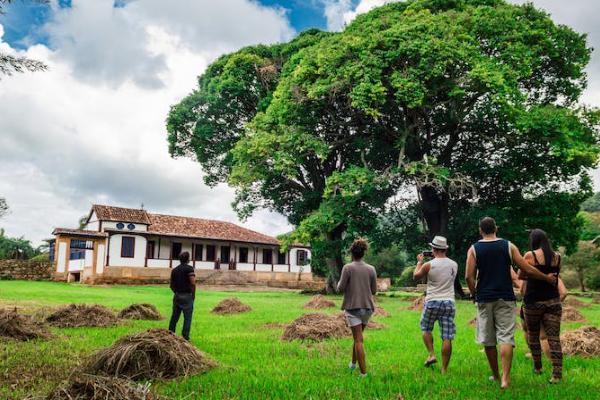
x,y
584,342
319,301
316,326
232,305
21,327
156,353
570,314
93,387
375,325
320,326
380,312
75,315
141,311
575,302
417,304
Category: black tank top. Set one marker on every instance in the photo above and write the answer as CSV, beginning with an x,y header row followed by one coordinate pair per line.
x,y
538,290
493,263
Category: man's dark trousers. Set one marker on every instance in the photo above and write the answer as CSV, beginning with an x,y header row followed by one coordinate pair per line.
x,y
182,302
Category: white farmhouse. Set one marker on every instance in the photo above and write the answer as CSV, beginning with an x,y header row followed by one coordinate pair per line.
x,y
123,245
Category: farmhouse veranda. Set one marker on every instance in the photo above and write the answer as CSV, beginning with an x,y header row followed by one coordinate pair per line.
x,y
124,244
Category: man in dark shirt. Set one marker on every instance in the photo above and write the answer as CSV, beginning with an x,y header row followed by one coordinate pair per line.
x,y
183,285
489,277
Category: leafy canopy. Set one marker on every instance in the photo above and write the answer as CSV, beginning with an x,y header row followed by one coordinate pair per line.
x,y
472,103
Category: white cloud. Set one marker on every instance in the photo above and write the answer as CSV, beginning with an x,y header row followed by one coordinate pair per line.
x,y
364,6
109,44
335,12
91,129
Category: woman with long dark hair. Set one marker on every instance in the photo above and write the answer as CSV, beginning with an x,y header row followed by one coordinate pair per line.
x,y
542,305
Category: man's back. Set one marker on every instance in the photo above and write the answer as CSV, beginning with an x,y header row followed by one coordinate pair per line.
x,y
180,278
493,263
440,279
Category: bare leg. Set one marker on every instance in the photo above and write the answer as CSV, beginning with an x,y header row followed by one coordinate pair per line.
x,y
446,354
359,348
492,355
428,340
354,349
506,353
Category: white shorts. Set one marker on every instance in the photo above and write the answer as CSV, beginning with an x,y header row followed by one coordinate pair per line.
x,y
358,316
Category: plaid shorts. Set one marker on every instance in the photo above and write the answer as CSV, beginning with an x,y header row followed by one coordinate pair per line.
x,y
442,311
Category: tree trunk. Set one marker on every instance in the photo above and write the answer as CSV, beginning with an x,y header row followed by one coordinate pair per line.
x,y
435,211
334,259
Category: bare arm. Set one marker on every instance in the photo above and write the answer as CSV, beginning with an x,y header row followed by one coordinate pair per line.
x,y
470,271
341,286
421,270
562,290
531,271
192,279
374,283
515,279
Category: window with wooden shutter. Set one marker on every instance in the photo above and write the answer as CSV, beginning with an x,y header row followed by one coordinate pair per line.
x,y
243,254
301,257
267,256
175,250
150,249
198,252
127,247
210,252
280,258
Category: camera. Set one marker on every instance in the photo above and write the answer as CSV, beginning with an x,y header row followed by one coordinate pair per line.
x,y
428,253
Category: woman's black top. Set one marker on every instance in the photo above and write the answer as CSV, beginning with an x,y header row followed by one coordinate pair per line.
x,y
538,290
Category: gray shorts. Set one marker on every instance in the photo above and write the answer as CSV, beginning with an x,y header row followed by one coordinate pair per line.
x,y
358,316
496,322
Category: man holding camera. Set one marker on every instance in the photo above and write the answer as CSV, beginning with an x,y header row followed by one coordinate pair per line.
x,y
439,300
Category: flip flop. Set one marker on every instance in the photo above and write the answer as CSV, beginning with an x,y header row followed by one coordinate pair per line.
x,y
429,363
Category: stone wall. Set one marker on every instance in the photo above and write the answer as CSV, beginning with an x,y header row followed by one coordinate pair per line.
x,y
137,275
26,270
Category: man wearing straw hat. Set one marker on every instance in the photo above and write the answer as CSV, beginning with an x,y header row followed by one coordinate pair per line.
x,y
439,300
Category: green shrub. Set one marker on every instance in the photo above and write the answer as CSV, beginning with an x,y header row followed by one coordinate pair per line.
x,y
406,278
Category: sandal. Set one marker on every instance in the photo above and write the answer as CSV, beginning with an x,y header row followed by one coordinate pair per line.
x,y
429,362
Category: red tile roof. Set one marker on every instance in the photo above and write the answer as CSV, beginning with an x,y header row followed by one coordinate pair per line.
x,y
206,229
110,213
183,226
78,232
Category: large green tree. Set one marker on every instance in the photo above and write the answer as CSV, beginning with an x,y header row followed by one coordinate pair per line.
x,y
472,105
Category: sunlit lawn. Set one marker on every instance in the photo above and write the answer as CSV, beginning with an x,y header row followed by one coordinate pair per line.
x,y
256,364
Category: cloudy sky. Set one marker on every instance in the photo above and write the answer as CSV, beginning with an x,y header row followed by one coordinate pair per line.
x,y
91,129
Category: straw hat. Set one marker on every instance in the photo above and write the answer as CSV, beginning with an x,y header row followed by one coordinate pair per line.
x,y
439,242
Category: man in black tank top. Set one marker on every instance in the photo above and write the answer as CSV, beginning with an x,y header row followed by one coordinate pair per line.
x,y
488,275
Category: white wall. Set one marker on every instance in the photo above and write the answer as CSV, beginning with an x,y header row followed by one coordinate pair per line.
x,y
92,226
89,258
100,259
139,255
61,260
113,225
76,265
294,260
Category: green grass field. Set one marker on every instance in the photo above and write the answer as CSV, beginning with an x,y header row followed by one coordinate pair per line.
x,y
256,364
